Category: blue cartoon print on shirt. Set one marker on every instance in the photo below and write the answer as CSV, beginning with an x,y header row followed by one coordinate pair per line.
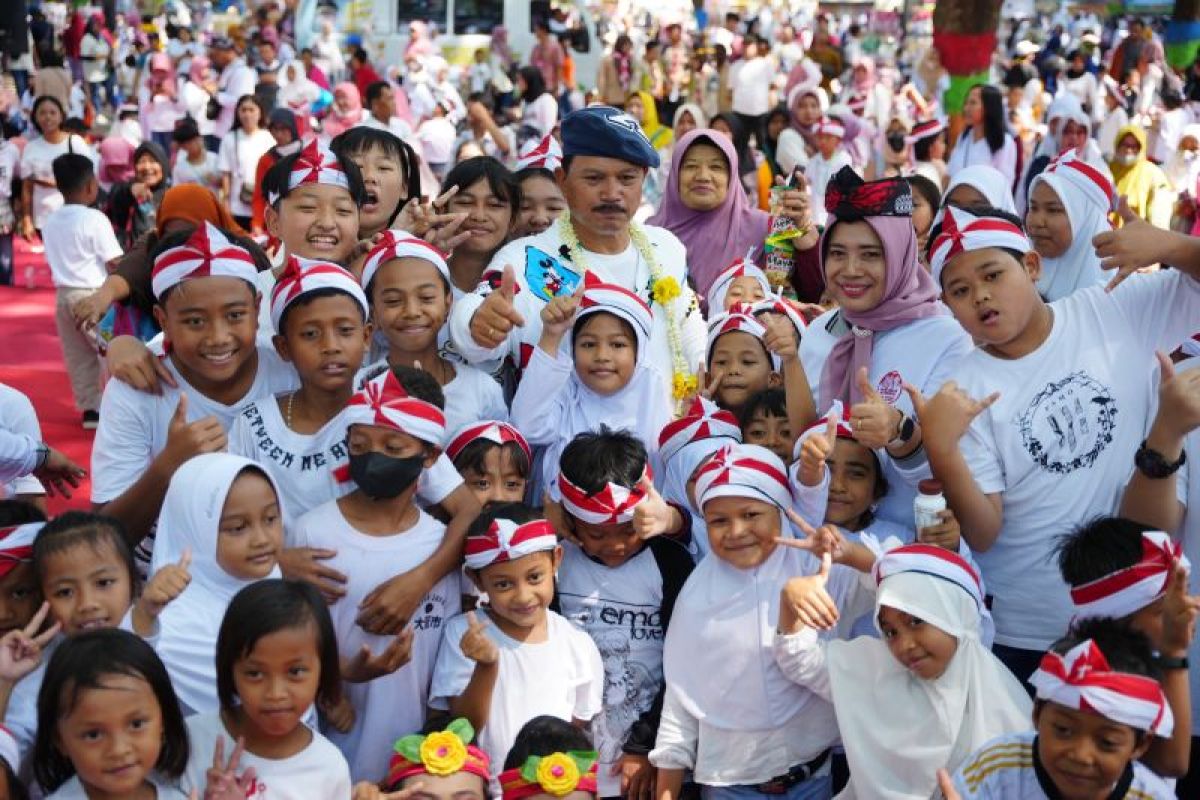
x,y
546,276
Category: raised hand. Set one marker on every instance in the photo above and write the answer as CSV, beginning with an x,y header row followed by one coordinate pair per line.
x,y
709,384
947,415
496,316
818,541
1135,245
222,779
653,515
476,644
807,599
1179,611
1178,398
780,338
367,666
817,449
873,420
559,315
166,585
131,362
21,650
187,439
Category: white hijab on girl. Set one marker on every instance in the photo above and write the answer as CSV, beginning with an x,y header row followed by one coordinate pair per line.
x,y
1087,193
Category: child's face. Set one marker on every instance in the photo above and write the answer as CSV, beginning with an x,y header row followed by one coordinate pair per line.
x,y
992,295
410,302
922,216
19,597
923,649
325,340
1084,754
741,530
541,204
808,110
489,217
966,196
499,482
88,586
1047,222
744,366
277,681
250,533
211,323
249,116
853,476
611,545
855,266
457,786
194,148
384,182
743,290
113,735
520,591
770,431
605,353
828,144
316,221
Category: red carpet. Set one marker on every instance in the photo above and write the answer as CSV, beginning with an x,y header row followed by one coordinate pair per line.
x,y
32,361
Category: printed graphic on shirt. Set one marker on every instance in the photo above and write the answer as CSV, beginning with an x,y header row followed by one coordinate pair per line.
x,y
336,455
890,387
432,612
1069,423
546,276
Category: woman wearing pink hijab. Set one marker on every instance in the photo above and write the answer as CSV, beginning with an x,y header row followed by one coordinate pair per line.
x,y
420,41
346,111
116,162
889,329
159,102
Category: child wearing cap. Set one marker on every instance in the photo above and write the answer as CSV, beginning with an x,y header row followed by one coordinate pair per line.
x,y
1035,435
619,581
599,376
753,728
1097,707
550,758
748,354
1121,569
825,163
395,430
741,282
514,658
932,665
494,460
443,764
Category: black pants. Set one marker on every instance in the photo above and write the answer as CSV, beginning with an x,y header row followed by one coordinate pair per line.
x,y
753,125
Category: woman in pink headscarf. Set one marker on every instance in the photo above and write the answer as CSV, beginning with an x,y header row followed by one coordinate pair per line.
x,y
346,111
888,329
420,42
159,102
116,162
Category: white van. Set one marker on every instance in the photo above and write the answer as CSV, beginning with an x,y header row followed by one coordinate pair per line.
x,y
465,25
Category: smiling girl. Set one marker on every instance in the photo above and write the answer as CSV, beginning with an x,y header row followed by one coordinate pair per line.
x,y
491,198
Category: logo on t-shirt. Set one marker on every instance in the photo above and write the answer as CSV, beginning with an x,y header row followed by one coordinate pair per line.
x,y
546,276
431,614
1069,424
890,386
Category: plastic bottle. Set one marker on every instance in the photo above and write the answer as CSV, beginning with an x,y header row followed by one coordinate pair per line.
x,y
927,504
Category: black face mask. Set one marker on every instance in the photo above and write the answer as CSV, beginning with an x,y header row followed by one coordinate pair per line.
x,y
382,477
896,141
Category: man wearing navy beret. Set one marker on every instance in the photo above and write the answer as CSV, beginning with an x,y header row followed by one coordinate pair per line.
x,y
605,160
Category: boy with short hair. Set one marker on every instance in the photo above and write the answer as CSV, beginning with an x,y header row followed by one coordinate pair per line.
x,y
193,162
80,243
1098,705
825,163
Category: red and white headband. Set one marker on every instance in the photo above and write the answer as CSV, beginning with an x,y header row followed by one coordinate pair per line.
x,y
385,403
741,268
500,433
924,130
1085,177
546,154
744,470
505,540
739,318
207,253
962,231
1129,590
317,164
831,126
1083,680
16,545
612,505
395,244
931,560
600,296
703,419
777,305
302,276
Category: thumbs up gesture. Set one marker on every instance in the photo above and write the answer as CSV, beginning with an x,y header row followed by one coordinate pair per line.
x,y
947,415
781,338
1178,615
186,439
557,318
805,603
816,450
164,586
874,421
1135,245
1178,399
654,516
497,315
476,644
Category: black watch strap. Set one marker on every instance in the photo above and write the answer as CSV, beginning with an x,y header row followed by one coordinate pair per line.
x,y
1176,662
1152,464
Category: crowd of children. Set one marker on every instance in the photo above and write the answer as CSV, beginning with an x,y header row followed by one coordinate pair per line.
x,y
333,556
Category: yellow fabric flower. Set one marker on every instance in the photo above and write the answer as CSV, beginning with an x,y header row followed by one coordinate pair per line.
x,y
684,385
443,753
558,774
665,290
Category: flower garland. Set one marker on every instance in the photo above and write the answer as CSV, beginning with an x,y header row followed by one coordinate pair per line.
x,y
664,290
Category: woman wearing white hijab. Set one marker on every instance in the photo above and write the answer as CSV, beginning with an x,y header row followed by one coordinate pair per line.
x,y
979,185
935,676
1084,192
212,497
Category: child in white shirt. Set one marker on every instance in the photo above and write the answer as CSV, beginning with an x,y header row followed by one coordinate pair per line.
x,y
825,163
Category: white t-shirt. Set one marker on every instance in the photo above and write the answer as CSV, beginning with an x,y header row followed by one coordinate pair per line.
x,y
303,465
207,174
17,416
239,155
969,151
393,705
195,100
562,677
235,81
316,771
925,353
73,790
79,243
160,111
133,425
95,51
818,172
395,125
10,162
437,135
751,84
1058,445
37,162
472,395
541,113
1188,493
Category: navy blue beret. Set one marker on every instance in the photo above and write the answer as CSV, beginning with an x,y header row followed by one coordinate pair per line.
x,y
606,132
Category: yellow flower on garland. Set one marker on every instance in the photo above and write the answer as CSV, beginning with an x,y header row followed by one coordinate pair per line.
x,y
443,753
558,774
665,290
684,385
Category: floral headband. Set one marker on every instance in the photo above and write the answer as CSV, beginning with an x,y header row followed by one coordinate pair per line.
x,y
441,753
557,774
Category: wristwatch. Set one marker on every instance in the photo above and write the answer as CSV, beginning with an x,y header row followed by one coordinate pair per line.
x,y
1176,662
1152,464
905,431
